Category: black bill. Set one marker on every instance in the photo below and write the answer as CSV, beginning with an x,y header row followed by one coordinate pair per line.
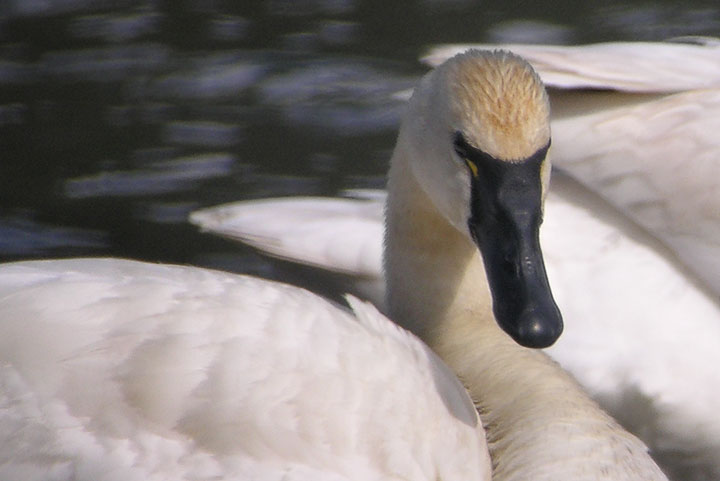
x,y
505,223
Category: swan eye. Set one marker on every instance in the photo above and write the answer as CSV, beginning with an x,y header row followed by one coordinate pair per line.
x,y
461,149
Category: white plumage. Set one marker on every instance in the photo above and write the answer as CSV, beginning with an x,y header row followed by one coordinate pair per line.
x,y
113,369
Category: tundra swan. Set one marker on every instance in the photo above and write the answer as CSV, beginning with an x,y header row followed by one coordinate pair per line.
x,y
625,118
467,180
637,122
439,290
621,289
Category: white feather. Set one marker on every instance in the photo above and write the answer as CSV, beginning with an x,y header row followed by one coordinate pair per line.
x,y
114,369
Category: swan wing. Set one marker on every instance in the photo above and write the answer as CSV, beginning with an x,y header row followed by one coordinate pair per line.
x,y
335,234
657,162
113,369
645,67
339,235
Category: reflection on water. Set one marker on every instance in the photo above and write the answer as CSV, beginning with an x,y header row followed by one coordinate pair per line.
x,y
30,8
21,236
310,7
202,133
213,77
529,31
653,21
115,28
100,65
339,97
157,178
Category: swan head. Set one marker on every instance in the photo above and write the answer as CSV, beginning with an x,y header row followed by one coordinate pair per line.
x,y
478,134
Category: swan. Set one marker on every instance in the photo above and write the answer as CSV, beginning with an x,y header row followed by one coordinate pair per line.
x,y
465,273
637,123
622,290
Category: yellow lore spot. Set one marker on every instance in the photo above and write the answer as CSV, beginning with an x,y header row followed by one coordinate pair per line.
x,y
473,168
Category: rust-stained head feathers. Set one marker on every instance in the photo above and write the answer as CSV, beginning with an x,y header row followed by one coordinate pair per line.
x,y
498,101
495,102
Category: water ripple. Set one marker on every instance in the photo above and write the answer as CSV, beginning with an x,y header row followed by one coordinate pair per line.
x,y
159,178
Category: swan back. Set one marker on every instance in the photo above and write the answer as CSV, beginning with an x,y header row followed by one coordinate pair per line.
x,y
116,369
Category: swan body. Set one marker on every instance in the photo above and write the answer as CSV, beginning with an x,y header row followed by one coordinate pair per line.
x,y
637,123
462,224
113,369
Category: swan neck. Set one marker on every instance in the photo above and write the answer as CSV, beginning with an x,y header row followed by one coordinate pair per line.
x,y
433,272
437,288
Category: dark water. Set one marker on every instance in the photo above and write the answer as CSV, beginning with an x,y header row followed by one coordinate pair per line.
x,y
117,118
